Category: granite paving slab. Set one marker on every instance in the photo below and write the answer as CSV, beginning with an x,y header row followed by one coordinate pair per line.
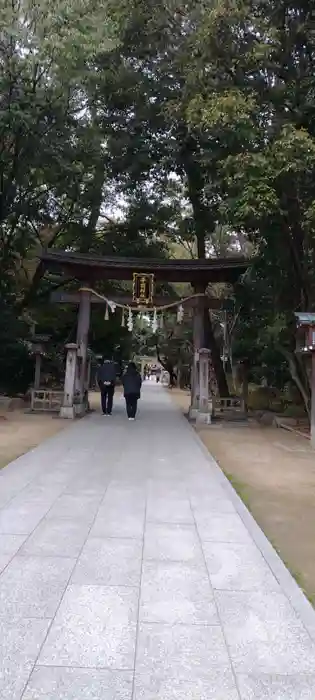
x,y
183,652
95,627
218,685
63,538
172,542
169,510
264,633
21,641
238,567
10,544
79,684
33,586
176,592
111,562
275,687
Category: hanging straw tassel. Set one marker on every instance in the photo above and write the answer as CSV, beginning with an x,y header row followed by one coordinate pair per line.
x,y
130,320
154,322
180,313
161,321
123,323
106,317
112,306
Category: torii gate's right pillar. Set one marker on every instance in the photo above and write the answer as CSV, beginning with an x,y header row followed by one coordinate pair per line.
x,y
198,342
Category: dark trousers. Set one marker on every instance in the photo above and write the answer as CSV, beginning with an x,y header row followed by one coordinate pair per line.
x,y
131,405
107,396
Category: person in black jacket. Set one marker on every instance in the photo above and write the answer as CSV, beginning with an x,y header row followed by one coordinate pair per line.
x,y
132,389
106,378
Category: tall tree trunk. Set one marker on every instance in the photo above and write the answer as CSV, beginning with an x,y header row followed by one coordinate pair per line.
x,y
218,368
301,382
168,366
204,223
96,203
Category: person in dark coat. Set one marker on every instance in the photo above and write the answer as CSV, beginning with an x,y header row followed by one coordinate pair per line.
x,y
132,389
106,378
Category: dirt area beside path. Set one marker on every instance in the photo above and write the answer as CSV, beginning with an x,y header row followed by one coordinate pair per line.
x,y
274,473
21,432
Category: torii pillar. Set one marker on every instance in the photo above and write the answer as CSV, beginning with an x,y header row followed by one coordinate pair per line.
x,y
143,363
198,342
203,414
68,409
38,352
82,356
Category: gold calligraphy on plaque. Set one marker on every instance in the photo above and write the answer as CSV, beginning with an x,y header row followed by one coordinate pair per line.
x,y
143,288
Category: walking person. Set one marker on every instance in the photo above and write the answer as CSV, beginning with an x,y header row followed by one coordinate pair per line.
x,y
132,389
106,378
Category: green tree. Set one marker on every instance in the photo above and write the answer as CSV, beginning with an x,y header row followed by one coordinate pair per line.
x,y
46,146
45,132
154,148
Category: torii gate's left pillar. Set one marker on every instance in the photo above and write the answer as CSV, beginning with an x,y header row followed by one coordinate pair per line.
x,y
82,356
67,409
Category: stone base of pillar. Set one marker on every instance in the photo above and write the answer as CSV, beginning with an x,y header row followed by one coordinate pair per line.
x,y
203,418
80,408
67,412
193,412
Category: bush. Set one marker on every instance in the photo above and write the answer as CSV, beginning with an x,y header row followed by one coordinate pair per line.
x,y
16,363
17,369
265,398
293,395
295,411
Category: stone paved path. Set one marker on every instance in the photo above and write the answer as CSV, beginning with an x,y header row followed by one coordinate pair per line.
x,y
128,574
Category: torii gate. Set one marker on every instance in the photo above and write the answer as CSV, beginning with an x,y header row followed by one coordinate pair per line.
x,y
89,269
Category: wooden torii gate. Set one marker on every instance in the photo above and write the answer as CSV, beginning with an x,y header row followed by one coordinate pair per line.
x,y
89,269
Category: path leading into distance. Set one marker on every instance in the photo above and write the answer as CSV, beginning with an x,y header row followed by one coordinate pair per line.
x,y
131,571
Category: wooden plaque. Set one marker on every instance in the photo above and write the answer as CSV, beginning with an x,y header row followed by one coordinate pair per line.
x,y
143,288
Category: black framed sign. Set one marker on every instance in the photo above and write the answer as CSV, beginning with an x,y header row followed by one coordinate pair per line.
x,y
143,288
